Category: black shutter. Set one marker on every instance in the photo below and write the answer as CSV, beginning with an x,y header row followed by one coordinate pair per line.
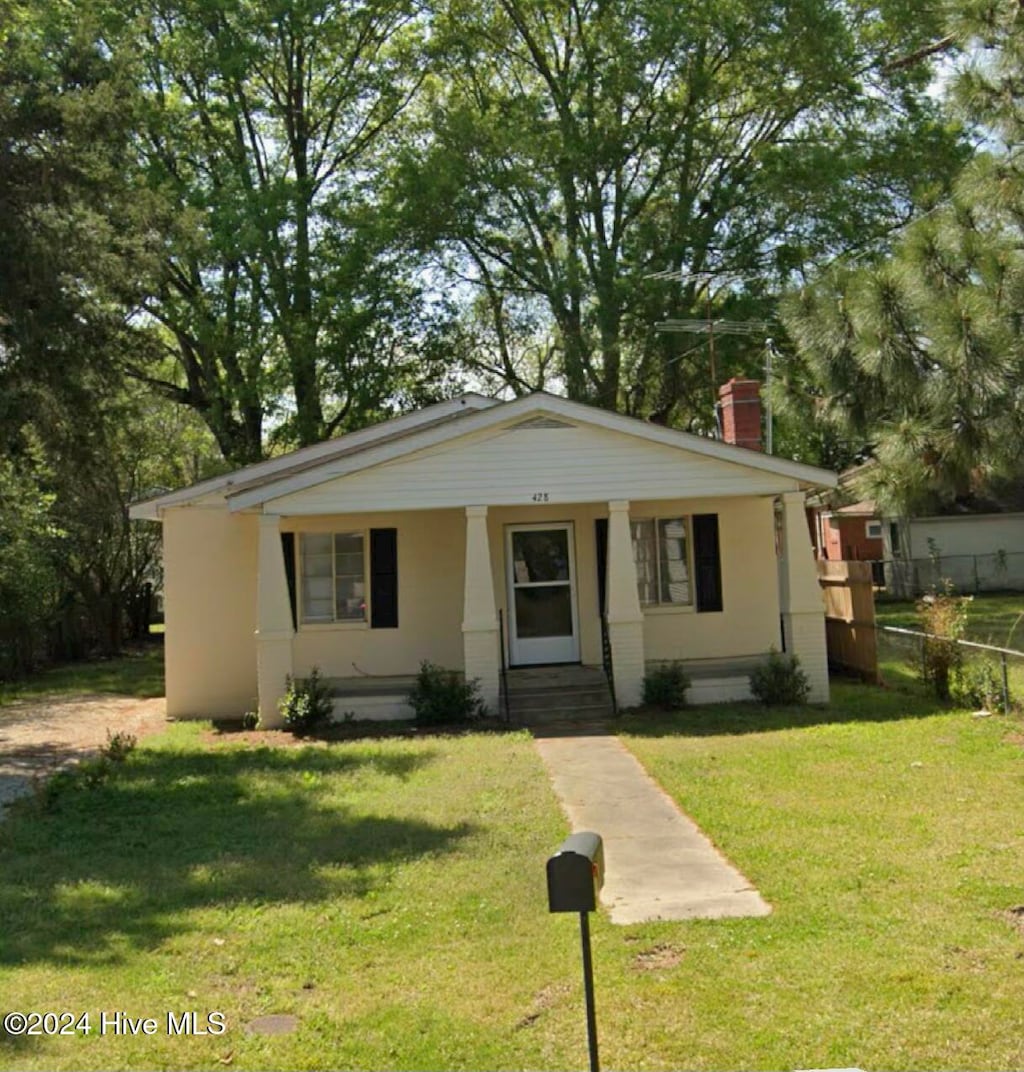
x,y
383,578
707,562
601,539
288,551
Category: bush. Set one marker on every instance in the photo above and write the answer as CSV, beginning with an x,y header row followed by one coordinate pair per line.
x,y
665,686
306,704
119,746
944,616
440,696
977,685
779,680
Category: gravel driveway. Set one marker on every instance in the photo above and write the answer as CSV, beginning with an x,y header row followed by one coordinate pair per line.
x,y
39,736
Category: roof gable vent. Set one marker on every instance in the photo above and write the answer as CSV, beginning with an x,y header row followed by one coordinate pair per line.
x,y
541,422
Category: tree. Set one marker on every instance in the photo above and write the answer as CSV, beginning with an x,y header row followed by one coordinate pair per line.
x,y
920,356
570,151
258,134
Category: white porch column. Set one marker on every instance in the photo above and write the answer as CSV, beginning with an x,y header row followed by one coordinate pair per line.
x,y
803,609
623,614
274,632
479,614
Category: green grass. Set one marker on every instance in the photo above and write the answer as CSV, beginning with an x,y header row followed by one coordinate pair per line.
x,y
991,619
391,895
139,673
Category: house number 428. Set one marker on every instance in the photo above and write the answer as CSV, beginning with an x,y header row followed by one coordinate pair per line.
x,y
540,496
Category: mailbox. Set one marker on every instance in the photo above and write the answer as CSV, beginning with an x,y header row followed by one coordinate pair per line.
x,y
576,874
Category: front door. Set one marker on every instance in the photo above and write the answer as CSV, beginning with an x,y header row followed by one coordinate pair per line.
x,y
541,594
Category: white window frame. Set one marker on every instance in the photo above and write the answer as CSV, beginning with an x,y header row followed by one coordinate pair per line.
x,y
300,553
873,530
659,604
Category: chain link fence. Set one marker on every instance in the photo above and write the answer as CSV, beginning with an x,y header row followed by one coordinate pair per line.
x,y
1001,571
983,676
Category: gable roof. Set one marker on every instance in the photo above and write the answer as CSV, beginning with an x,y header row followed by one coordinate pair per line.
x,y
255,485
309,457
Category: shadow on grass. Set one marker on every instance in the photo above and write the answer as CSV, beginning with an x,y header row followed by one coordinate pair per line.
x,y
851,702
116,867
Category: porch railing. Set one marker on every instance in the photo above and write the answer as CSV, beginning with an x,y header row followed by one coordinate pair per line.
x,y
606,659
504,666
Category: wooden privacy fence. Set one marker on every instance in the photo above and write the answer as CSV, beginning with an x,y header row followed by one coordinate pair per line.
x,y
850,617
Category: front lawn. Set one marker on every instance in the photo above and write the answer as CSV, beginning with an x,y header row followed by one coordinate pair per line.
x,y
390,895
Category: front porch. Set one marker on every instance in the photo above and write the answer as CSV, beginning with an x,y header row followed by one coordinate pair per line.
x,y
487,589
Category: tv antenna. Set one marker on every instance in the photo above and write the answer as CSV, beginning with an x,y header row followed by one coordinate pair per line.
x,y
712,326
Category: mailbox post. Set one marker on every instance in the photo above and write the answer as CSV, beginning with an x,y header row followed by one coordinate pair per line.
x,y
575,877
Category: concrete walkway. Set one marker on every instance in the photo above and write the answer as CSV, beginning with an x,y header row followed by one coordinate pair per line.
x,y
658,864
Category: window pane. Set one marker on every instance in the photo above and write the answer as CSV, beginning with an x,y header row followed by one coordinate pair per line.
x,y
645,558
544,612
674,567
316,543
350,601
540,556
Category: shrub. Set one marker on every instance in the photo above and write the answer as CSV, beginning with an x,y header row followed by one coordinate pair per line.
x,y
251,720
943,615
665,686
779,680
306,704
119,746
441,696
977,684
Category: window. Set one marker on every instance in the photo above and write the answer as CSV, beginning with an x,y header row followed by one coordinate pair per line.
x,y
874,530
661,553
333,577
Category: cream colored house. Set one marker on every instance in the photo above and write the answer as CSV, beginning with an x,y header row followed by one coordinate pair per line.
x,y
481,535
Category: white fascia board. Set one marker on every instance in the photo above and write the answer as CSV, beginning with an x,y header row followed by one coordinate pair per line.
x,y
539,402
150,509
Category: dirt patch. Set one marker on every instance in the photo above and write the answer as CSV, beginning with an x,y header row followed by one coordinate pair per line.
x,y
658,958
551,995
39,737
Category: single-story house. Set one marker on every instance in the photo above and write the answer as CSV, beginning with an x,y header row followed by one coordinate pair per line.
x,y
480,534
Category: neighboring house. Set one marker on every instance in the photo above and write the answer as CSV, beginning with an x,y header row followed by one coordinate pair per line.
x,y
976,552
978,545
850,533
537,531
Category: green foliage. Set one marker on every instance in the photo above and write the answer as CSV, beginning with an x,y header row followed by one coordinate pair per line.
x,y
977,683
573,151
943,615
779,681
919,355
307,703
28,577
665,686
443,696
250,720
119,746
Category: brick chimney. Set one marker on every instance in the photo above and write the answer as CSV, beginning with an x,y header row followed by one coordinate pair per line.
x,y
740,405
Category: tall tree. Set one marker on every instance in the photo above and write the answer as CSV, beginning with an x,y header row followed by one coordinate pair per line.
x,y
920,357
259,129
579,148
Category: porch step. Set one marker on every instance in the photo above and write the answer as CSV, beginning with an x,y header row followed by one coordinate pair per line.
x,y
545,694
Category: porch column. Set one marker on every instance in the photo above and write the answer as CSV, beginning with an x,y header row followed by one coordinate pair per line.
x,y
623,614
274,632
803,608
479,614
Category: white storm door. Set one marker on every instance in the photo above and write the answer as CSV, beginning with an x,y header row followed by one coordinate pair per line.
x,y
541,594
